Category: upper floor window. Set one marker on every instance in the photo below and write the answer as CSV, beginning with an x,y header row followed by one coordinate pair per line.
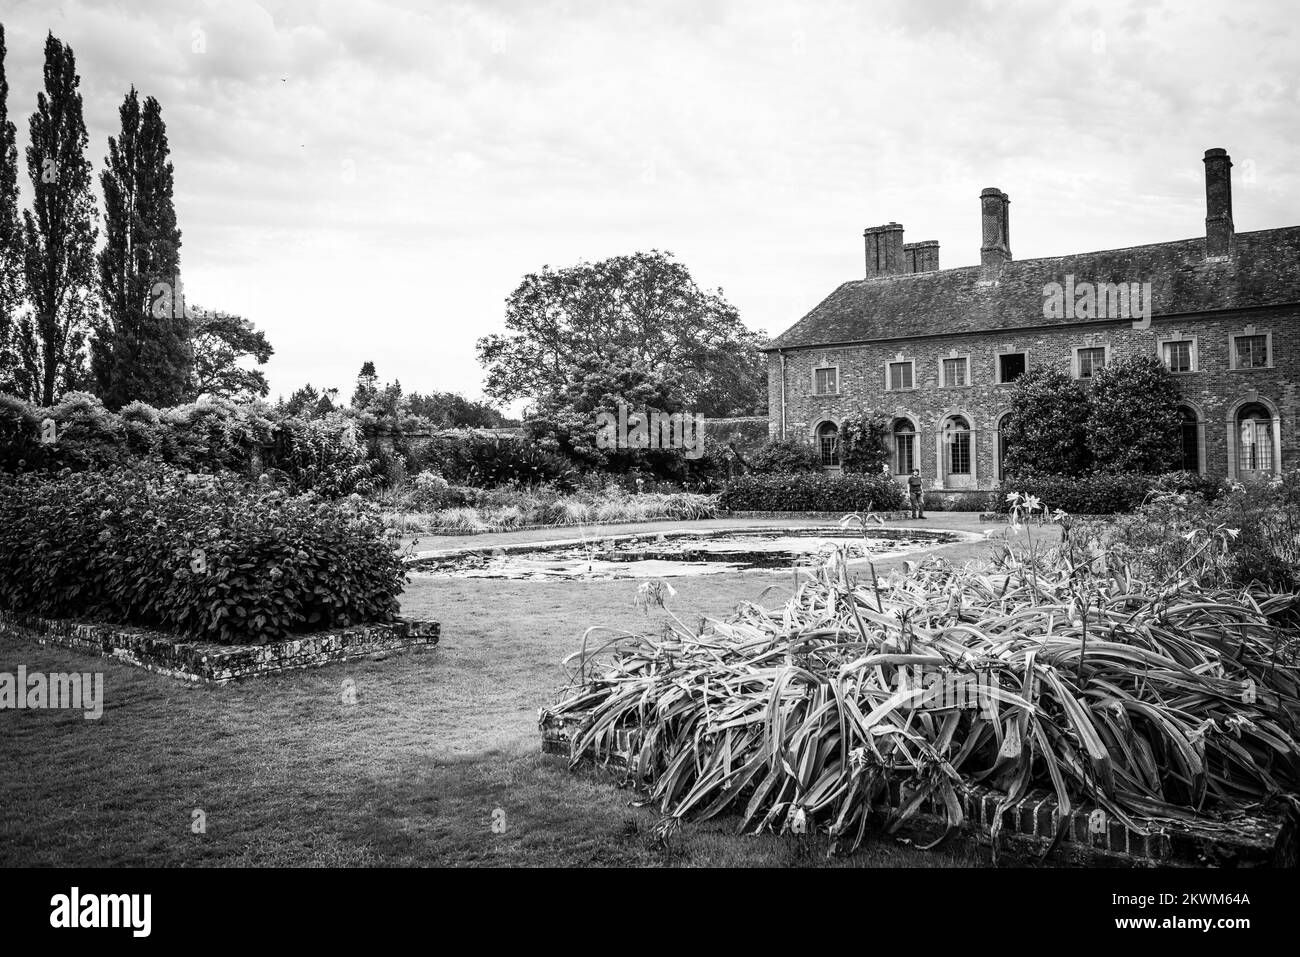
x,y
900,375
826,381
1089,361
1179,355
955,372
1251,352
1011,366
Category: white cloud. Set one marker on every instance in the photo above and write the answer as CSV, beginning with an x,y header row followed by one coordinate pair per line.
x,y
369,179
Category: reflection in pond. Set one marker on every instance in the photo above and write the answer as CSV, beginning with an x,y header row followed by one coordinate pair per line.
x,y
662,556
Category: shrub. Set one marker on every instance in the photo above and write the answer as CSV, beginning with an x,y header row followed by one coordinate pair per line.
x,y
1133,423
206,436
794,492
212,434
89,436
429,491
326,456
489,461
1046,430
1092,494
865,440
1098,493
967,502
20,446
142,427
1248,535
785,456
209,557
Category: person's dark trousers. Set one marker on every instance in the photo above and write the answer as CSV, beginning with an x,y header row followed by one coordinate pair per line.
x,y
918,506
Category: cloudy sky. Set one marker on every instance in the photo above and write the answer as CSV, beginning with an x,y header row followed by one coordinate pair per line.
x,y
369,180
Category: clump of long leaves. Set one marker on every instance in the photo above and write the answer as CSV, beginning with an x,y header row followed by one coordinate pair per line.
x,y
1148,701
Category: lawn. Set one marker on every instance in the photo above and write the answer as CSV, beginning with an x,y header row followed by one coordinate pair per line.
x,y
411,774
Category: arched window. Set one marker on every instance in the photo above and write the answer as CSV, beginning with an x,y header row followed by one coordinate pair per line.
x,y
1190,460
956,441
904,447
1000,449
828,444
1254,439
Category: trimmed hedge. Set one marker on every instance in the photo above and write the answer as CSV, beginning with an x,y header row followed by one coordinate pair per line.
x,y
1103,494
800,492
211,557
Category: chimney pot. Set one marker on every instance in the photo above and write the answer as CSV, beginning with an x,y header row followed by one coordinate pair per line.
x,y
922,256
996,247
1219,232
884,250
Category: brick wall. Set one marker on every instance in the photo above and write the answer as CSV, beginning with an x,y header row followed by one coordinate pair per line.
x,y
1214,390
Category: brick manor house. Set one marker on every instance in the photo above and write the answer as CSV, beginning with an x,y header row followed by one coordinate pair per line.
x,y
936,349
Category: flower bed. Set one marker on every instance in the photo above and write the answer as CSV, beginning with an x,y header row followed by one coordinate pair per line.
x,y
1143,699
210,557
494,510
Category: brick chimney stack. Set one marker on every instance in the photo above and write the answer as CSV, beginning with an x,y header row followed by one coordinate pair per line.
x,y
996,248
1218,204
884,249
922,256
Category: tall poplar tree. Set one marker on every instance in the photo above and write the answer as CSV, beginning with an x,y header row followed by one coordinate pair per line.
x,y
11,243
142,348
58,232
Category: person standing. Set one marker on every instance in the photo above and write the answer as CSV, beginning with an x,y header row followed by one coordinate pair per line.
x,y
916,493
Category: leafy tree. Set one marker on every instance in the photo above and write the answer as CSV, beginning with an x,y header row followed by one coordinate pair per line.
x,y
142,346
308,403
11,242
450,410
642,311
58,233
1046,431
1133,424
219,342
367,386
567,421
865,443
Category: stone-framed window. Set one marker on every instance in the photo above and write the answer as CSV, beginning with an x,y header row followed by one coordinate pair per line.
x,y
1254,432
1255,451
1191,438
904,446
1009,366
1252,350
828,444
1089,360
1179,354
954,371
1000,448
955,450
900,375
826,380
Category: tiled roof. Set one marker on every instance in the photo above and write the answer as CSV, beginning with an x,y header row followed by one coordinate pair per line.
x,y
1263,271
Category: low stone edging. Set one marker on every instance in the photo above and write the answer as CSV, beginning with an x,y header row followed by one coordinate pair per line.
x,y
1030,824
451,532
178,657
820,516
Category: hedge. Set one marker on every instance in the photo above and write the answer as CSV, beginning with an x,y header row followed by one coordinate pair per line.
x,y
800,492
210,557
1103,494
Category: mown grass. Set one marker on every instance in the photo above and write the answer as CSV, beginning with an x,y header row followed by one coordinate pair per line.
x,y
287,774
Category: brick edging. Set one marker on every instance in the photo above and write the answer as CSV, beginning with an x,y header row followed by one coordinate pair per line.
x,y
1262,840
178,657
